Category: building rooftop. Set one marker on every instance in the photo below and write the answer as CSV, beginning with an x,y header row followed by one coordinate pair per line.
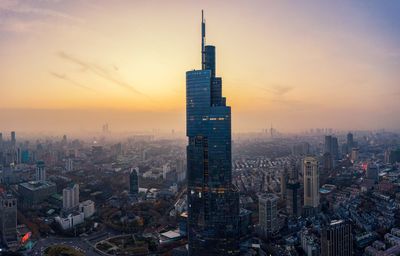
x,y
37,185
268,196
87,202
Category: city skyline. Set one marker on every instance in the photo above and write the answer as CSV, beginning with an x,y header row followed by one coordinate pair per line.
x,y
74,66
131,128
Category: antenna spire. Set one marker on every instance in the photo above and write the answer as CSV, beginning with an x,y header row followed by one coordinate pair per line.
x,y
203,41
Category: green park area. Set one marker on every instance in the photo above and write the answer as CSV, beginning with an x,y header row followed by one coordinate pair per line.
x,y
62,250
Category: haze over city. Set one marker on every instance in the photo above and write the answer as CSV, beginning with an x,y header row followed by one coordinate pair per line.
x,y
71,66
199,128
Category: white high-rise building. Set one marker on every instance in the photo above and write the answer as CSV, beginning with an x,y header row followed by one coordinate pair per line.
x,y
69,165
87,207
71,197
268,213
181,169
40,171
311,182
166,169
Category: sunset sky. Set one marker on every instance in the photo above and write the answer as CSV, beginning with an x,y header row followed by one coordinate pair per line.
x,y
76,64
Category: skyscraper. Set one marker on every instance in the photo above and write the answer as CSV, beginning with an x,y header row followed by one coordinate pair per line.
x,y
372,172
268,213
134,181
293,201
332,146
336,239
311,183
13,139
350,141
284,180
40,171
181,169
328,144
354,154
8,220
213,202
69,165
71,197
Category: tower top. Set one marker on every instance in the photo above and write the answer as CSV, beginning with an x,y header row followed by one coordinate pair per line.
x,y
203,41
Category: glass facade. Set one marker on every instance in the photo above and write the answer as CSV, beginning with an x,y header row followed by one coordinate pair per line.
x,y
212,199
133,182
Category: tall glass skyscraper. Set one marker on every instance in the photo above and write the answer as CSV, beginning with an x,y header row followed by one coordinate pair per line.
x,y
213,200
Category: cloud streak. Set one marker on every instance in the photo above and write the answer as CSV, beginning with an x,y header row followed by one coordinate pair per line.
x,y
279,90
22,8
67,79
99,71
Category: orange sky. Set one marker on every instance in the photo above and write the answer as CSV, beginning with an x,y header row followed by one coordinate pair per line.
x,y
297,65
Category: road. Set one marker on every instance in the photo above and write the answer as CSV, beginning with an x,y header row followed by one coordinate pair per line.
x,y
85,244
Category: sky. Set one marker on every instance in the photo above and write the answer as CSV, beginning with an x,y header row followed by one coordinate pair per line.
x,y
73,65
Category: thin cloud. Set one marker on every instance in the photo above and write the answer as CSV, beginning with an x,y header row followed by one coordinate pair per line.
x,y
99,71
20,7
67,79
279,90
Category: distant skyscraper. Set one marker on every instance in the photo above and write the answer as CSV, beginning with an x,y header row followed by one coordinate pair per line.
x,y
350,141
268,213
336,239
372,172
392,156
331,146
354,155
71,197
328,144
8,220
13,139
134,181
284,180
181,169
105,129
69,165
64,140
335,148
293,201
213,202
311,183
166,169
1,140
40,171
327,162
294,172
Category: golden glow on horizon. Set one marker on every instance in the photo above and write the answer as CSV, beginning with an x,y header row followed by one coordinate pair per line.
x,y
133,57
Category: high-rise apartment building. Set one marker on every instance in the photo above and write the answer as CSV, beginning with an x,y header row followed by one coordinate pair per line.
x,y
337,239
311,183
213,202
69,165
40,171
181,169
268,213
71,197
8,220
